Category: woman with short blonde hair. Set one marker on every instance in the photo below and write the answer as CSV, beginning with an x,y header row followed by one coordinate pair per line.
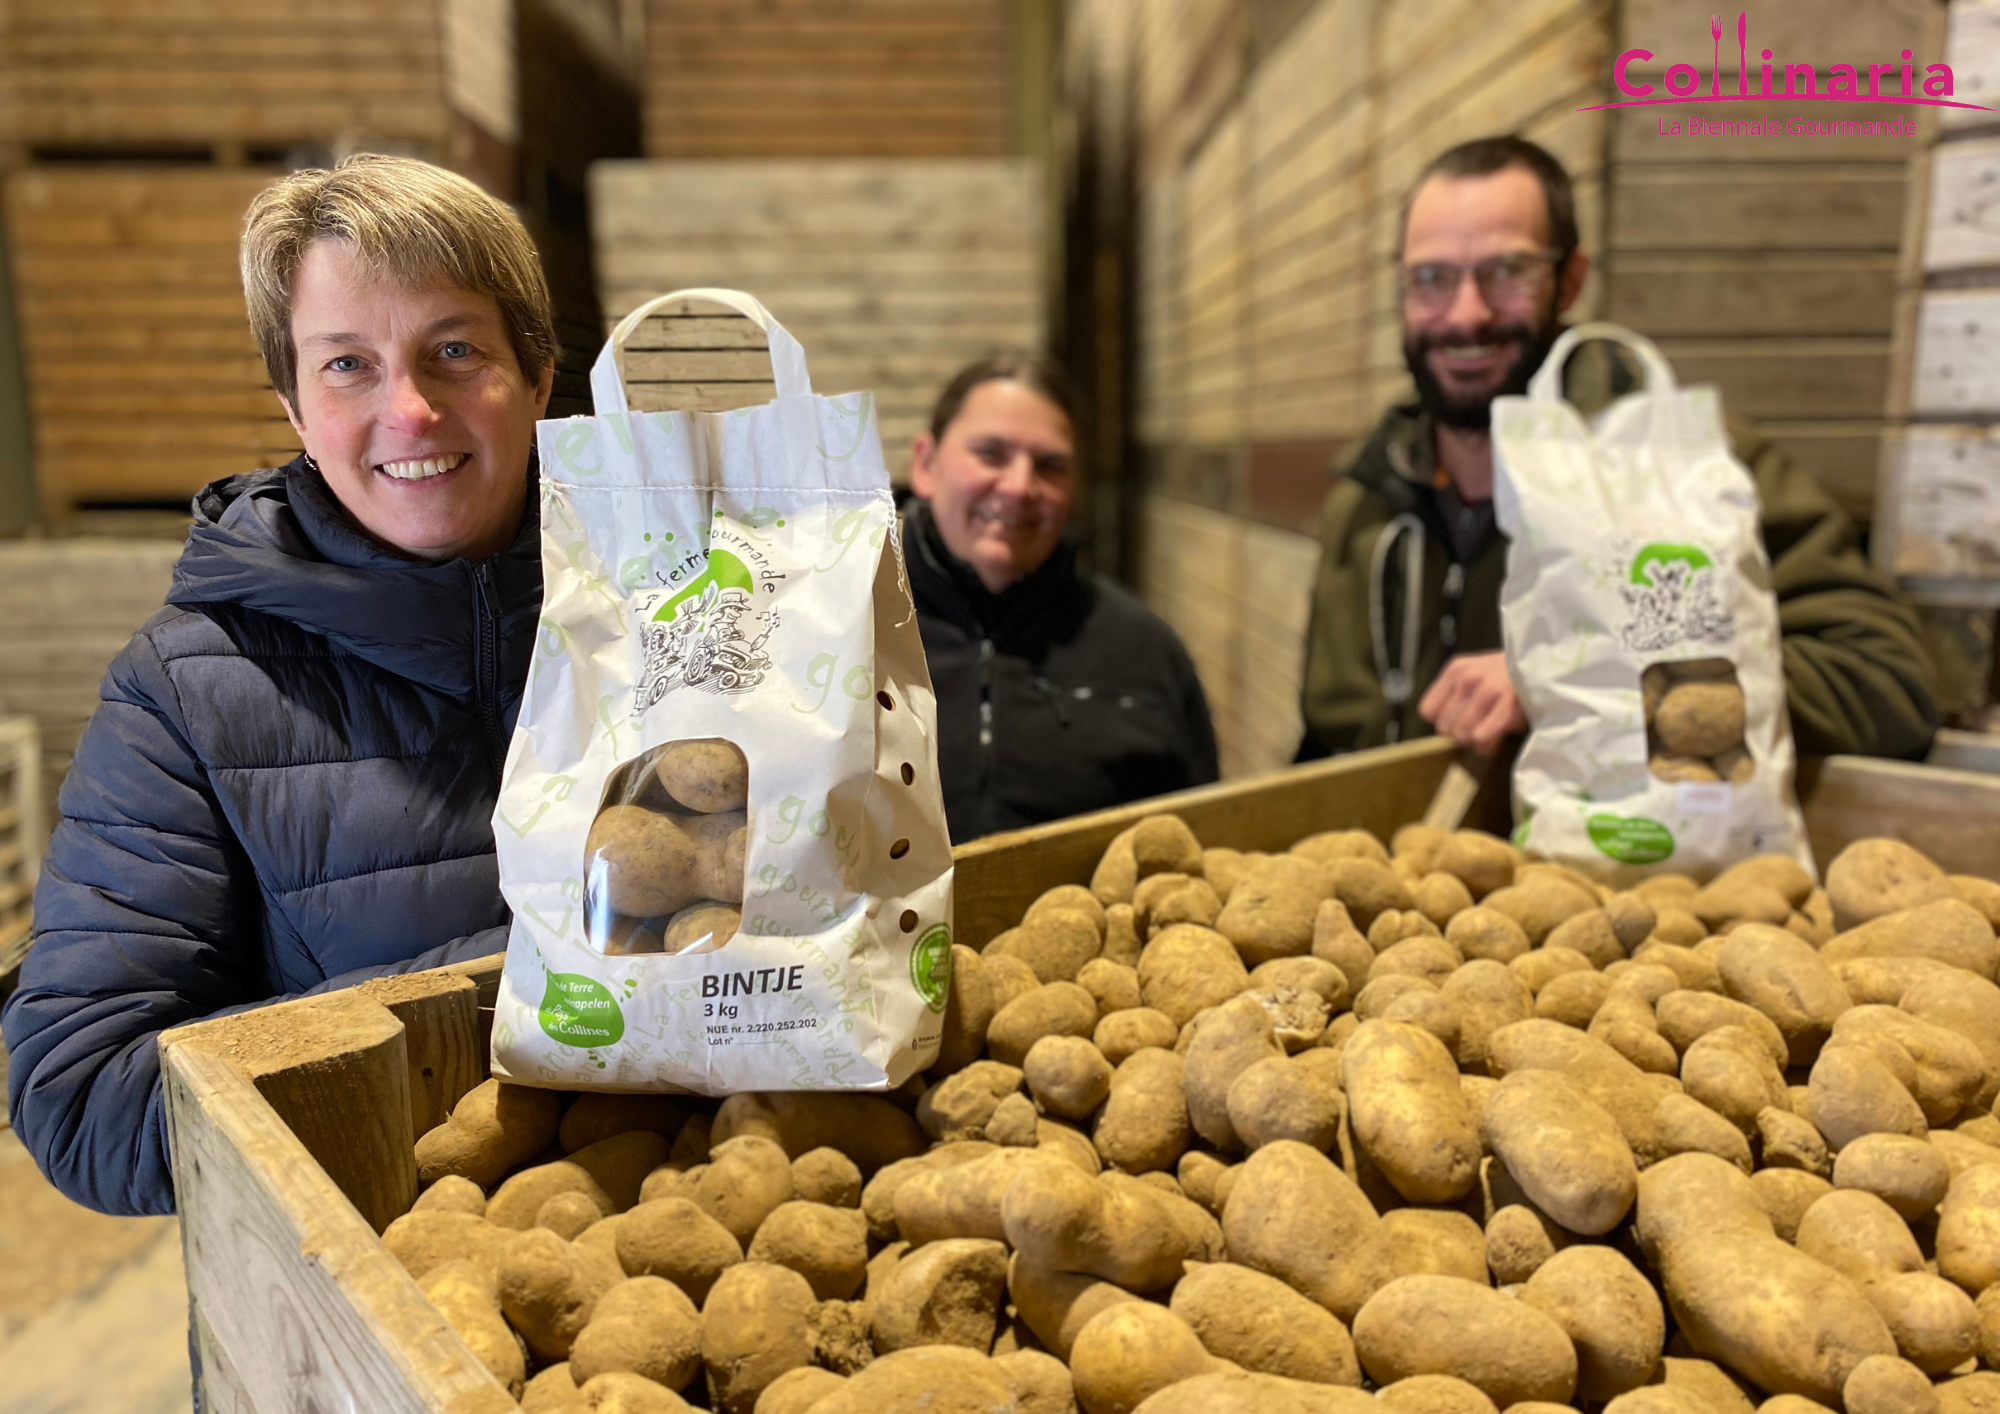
x,y
290,780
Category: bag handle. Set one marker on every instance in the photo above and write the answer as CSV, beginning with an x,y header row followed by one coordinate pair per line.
x,y
788,360
1546,386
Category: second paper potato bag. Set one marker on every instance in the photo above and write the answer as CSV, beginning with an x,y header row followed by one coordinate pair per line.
x,y
1641,630
720,827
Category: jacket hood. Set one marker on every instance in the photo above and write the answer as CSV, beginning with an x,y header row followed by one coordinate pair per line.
x,y
278,543
1396,461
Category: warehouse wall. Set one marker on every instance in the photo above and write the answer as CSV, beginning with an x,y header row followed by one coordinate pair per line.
x,y
1272,143
1767,266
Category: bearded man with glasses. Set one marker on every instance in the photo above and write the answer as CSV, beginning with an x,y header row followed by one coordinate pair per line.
x,y
1405,633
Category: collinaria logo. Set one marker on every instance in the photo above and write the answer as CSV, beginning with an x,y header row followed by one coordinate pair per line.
x,y
1776,80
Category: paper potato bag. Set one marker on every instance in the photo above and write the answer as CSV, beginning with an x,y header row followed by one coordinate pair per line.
x,y
720,827
1641,630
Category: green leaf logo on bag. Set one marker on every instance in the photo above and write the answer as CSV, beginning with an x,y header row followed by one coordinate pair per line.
x,y
930,966
1663,553
580,1011
1631,839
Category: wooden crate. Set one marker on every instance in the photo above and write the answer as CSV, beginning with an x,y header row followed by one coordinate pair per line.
x,y
828,78
249,74
291,1127
67,606
143,380
892,274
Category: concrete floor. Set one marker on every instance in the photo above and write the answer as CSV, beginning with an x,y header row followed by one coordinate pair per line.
x,y
93,1310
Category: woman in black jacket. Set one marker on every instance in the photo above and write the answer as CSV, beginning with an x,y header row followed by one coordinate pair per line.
x,y
1057,693
289,782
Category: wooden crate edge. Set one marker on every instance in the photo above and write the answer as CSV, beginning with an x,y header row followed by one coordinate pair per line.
x,y
290,1283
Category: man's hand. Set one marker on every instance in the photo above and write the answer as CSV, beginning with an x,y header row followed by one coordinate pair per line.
x,y
1473,702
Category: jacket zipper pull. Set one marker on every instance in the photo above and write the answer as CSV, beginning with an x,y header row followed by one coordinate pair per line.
x,y
986,692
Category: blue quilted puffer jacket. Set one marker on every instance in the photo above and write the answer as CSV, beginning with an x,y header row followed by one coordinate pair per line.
x,y
288,786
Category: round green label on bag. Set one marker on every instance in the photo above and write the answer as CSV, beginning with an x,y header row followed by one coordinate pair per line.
x,y
1631,839
930,966
580,1011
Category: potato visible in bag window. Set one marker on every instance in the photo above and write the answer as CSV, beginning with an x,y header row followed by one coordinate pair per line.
x,y
664,859
705,775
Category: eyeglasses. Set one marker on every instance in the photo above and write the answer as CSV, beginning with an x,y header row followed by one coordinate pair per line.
x,y
1502,279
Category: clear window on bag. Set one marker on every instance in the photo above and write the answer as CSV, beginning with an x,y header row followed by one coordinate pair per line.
x,y
1695,722
664,860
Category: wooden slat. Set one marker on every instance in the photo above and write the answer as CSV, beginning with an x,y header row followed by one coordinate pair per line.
x,y
1956,373
1965,751
335,1069
794,78
1952,816
1754,293
1821,207
1964,227
1973,51
1945,483
440,1017
1788,378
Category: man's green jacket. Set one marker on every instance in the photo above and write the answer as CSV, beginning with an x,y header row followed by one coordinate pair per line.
x,y
1856,670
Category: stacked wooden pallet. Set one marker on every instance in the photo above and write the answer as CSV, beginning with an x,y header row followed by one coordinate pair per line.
x,y
143,379
23,831
87,73
892,273
1941,466
827,78
66,608
133,134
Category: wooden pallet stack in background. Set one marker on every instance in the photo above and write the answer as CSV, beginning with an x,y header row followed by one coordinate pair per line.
x,y
133,135
828,78
143,380
1940,526
847,163
67,605
893,273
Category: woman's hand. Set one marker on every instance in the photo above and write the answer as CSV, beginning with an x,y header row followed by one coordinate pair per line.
x,y
1473,702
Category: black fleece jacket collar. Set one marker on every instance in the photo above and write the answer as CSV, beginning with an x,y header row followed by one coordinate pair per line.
x,y
1036,606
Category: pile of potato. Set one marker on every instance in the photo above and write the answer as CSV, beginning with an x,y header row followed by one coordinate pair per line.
x,y
1695,717
1430,1129
664,858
